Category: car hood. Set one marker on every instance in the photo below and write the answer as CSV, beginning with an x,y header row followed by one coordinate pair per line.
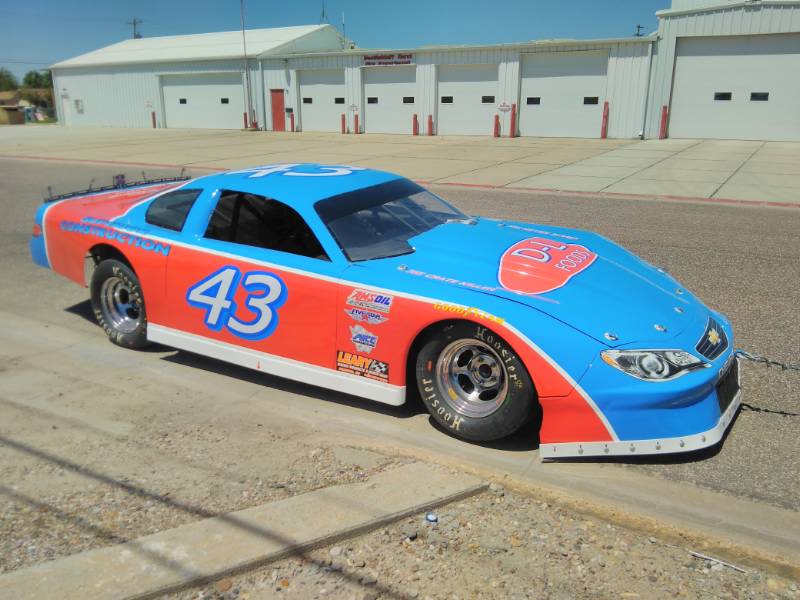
x,y
578,277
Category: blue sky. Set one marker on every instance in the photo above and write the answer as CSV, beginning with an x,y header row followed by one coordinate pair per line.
x,y
46,31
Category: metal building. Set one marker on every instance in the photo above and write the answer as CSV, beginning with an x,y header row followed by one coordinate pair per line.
x,y
716,69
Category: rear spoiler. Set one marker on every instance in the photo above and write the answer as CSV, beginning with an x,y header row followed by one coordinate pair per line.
x,y
119,184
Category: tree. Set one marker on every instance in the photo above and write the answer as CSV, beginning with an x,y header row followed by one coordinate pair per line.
x,y
7,80
32,79
38,79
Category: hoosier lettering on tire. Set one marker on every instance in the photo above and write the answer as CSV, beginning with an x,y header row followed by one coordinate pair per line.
x,y
118,304
473,383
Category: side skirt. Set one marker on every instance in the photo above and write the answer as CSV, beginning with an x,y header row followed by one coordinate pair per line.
x,y
276,365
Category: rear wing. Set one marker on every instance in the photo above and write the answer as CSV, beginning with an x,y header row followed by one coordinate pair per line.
x,y
119,184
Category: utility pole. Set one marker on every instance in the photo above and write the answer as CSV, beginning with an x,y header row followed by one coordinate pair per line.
x,y
135,23
638,31
246,67
323,18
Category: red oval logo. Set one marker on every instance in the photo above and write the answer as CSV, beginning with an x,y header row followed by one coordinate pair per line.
x,y
538,265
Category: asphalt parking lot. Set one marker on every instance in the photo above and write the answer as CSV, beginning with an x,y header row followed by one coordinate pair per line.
x,y
190,426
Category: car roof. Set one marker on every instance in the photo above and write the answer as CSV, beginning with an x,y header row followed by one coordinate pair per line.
x,y
298,184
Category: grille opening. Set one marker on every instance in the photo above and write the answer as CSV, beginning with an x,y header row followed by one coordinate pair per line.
x,y
759,96
534,100
723,96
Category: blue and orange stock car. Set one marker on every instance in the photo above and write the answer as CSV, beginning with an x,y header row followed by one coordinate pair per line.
x,y
364,282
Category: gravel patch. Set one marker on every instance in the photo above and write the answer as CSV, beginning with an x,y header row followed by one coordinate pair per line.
x,y
498,545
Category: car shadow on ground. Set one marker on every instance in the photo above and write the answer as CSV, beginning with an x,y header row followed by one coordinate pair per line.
x,y
525,439
197,361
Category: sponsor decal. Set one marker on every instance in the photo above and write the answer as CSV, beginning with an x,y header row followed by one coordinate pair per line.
x,y
714,337
542,231
215,294
467,311
365,316
458,282
111,233
370,300
363,366
297,170
539,265
363,340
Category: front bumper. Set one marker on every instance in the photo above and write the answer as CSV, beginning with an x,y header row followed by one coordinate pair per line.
x,y
647,417
665,445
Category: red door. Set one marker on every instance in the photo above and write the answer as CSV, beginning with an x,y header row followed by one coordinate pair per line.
x,y
278,110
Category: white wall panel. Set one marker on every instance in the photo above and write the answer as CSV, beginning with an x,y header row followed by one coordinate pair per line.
x,y
765,17
203,101
386,90
561,87
734,65
322,99
466,86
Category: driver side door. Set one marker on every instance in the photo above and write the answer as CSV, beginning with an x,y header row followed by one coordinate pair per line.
x,y
255,277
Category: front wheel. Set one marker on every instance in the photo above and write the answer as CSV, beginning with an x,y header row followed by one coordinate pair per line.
x,y
118,304
473,383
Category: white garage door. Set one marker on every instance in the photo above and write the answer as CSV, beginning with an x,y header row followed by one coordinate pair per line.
x,y
738,87
322,99
467,100
390,96
203,101
563,94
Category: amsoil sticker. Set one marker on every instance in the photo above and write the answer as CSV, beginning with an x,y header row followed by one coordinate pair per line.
x,y
362,339
370,300
539,265
364,366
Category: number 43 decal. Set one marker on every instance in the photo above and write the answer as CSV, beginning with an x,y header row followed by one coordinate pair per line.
x,y
265,294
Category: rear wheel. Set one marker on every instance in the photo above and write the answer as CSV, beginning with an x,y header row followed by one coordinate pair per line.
x,y
473,383
118,304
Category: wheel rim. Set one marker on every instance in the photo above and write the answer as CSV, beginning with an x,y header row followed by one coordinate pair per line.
x,y
123,311
473,377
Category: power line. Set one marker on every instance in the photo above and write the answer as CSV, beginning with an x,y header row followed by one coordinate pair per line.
x,y
26,62
135,23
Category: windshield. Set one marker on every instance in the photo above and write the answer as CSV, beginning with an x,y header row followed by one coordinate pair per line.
x,y
378,221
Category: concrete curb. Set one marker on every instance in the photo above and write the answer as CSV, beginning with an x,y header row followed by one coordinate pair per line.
x,y
548,191
212,548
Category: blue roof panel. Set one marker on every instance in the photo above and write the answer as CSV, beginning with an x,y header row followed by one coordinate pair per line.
x,y
298,183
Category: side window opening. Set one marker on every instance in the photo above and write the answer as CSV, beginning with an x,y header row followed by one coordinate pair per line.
x,y
260,222
171,209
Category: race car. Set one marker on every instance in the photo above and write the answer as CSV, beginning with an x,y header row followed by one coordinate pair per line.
x,y
364,282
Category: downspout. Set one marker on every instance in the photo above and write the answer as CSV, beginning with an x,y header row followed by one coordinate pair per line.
x,y
647,89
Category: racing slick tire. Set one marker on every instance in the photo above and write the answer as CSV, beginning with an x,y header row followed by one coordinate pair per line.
x,y
473,383
118,304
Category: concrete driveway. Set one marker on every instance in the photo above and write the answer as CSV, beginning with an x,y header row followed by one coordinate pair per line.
x,y
740,171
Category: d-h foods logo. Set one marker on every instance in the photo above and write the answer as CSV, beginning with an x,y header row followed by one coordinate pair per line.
x,y
363,366
370,300
539,265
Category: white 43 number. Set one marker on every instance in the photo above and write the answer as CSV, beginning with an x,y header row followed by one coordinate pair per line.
x,y
215,294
